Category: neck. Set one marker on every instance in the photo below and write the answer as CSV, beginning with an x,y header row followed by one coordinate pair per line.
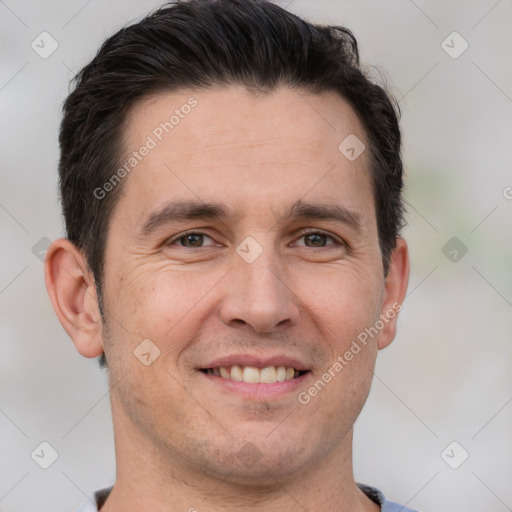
x,y
148,480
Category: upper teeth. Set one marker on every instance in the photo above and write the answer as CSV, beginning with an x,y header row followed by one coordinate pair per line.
x,y
267,375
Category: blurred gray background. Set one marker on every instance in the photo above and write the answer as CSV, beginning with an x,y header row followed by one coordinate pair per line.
x,y
436,432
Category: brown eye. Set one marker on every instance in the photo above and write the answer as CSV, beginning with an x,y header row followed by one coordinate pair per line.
x,y
315,240
318,239
191,240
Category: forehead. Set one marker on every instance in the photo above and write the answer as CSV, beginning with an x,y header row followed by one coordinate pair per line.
x,y
230,143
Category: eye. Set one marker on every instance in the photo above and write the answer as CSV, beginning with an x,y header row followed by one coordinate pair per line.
x,y
196,240
190,239
318,239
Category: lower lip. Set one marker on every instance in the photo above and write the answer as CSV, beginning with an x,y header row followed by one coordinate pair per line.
x,y
260,390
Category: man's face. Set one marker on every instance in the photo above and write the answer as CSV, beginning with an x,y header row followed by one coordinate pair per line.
x,y
264,285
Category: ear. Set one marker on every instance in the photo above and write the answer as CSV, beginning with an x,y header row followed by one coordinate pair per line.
x,y
394,293
72,291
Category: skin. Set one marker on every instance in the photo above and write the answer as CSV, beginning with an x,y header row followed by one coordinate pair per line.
x,y
177,433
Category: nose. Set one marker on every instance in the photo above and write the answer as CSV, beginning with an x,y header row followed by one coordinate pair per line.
x,y
258,295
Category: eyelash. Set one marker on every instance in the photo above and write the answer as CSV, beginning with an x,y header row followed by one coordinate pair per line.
x,y
303,233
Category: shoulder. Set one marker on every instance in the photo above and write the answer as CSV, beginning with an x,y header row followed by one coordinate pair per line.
x,y
95,503
378,497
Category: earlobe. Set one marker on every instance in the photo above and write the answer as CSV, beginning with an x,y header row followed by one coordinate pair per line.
x,y
72,291
395,290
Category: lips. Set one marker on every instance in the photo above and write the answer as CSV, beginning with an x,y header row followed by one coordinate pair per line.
x,y
256,370
254,375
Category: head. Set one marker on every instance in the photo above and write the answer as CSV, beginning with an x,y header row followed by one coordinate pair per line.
x,y
230,119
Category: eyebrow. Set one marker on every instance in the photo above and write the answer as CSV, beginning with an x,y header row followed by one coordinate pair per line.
x,y
178,211
333,212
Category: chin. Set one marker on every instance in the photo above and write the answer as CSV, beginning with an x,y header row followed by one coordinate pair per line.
x,y
262,459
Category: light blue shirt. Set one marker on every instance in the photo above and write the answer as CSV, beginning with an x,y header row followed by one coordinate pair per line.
x,y
385,505
94,504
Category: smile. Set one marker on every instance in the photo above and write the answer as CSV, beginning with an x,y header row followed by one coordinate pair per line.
x,y
255,375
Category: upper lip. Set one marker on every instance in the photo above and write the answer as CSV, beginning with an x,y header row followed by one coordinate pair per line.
x,y
256,361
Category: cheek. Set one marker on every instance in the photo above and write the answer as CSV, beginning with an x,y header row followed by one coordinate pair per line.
x,y
160,301
341,299
342,302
